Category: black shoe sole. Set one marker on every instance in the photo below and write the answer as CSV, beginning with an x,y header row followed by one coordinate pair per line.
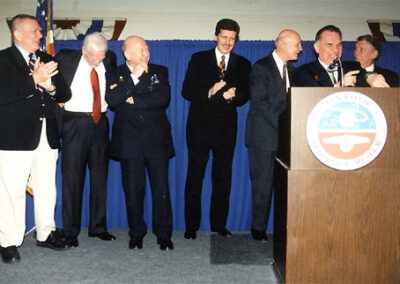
x,y
13,260
45,245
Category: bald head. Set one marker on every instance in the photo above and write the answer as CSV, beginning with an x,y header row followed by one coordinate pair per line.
x,y
136,51
288,45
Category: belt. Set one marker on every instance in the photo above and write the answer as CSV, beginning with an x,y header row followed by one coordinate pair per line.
x,y
81,113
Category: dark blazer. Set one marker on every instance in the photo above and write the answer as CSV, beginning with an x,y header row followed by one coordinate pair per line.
x,y
68,60
142,126
215,113
313,74
391,77
22,106
267,102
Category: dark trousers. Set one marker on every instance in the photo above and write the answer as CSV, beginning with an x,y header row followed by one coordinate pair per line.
x,y
262,176
84,143
221,184
134,182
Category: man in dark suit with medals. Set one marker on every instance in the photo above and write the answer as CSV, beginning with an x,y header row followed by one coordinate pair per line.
x,y
270,79
141,140
216,83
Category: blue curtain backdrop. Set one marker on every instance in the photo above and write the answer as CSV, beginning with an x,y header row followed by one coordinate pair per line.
x,y
175,54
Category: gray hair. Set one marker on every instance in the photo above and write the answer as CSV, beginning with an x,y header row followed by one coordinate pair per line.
x,y
95,41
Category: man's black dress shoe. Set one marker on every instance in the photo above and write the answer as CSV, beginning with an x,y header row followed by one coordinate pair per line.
x,y
10,254
165,244
223,232
190,235
258,235
71,242
53,241
105,236
136,243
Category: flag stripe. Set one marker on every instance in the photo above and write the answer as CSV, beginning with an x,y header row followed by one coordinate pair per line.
x,y
44,16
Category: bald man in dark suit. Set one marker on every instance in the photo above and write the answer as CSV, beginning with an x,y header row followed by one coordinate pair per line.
x,y
142,140
270,79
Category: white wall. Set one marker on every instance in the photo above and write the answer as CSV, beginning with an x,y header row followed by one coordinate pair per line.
x,y
196,19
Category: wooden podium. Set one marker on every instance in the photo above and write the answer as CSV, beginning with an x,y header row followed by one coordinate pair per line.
x,y
333,226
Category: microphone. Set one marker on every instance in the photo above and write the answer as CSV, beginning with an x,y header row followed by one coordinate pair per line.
x,y
336,65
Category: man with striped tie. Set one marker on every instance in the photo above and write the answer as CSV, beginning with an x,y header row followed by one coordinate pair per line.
x,y
216,83
29,92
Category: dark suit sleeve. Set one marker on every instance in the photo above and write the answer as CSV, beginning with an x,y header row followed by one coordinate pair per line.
x,y
146,95
117,95
194,87
242,93
391,77
394,82
267,94
63,92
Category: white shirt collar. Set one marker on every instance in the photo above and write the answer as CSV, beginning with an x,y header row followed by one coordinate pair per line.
x,y
370,68
218,54
278,60
323,64
24,53
130,67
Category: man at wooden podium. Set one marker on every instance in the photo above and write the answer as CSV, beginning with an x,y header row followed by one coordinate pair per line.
x,y
325,71
270,79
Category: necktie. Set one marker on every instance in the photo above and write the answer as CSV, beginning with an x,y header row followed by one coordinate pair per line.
x,y
221,66
32,61
94,79
332,76
284,76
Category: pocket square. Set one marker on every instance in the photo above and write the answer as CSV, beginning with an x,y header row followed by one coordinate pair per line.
x,y
130,101
154,80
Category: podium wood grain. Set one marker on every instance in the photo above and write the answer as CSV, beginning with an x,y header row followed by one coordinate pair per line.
x,y
335,226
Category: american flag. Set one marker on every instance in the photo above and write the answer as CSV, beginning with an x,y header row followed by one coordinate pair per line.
x,y
44,16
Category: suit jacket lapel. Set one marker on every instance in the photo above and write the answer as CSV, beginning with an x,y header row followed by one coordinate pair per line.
x,y
232,63
126,73
290,69
321,75
212,65
275,68
19,60
276,72
73,66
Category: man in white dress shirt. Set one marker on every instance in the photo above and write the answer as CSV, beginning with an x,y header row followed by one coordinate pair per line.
x,y
85,136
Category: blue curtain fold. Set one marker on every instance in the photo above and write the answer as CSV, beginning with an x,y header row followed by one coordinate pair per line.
x,y
175,55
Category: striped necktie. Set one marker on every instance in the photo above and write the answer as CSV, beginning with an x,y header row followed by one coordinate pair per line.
x,y
32,61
